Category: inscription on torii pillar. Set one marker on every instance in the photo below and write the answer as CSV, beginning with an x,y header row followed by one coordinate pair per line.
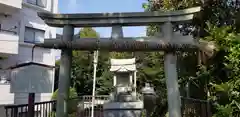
x,y
169,42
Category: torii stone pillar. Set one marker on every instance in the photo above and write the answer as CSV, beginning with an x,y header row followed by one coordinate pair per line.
x,y
170,69
65,74
117,32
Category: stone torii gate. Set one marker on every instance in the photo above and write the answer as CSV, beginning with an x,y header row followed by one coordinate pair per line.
x,y
167,41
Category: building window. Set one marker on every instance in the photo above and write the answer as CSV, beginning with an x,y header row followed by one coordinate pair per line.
x,y
33,35
41,3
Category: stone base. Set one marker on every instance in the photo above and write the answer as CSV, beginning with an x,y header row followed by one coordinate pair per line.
x,y
123,109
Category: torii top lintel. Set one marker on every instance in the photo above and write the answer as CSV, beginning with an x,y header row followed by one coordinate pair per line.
x,y
123,19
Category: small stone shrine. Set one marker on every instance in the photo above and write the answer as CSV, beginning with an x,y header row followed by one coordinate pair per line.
x,y
124,98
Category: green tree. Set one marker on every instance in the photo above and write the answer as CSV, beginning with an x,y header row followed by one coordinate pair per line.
x,y
215,69
225,86
73,103
88,33
82,68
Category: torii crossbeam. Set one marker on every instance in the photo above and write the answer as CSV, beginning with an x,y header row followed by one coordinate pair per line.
x,y
120,45
169,42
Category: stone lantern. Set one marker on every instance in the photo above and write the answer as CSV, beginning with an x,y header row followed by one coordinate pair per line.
x,y
149,98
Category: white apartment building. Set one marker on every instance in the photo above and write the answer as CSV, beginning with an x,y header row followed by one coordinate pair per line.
x,y
20,28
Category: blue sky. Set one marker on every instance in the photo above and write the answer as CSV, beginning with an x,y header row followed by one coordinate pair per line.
x,y
98,6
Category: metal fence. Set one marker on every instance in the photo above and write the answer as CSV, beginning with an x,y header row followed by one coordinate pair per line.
x,y
195,108
82,107
42,109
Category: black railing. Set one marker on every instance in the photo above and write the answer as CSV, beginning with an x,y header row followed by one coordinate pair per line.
x,y
81,107
42,109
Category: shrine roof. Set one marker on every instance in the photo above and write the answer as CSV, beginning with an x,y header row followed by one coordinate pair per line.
x,y
30,63
123,65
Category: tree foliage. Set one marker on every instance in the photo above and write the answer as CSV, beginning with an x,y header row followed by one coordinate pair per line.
x,y
218,76
82,68
72,107
225,89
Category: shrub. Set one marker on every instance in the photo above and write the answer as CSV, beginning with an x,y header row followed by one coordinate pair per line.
x,y
72,102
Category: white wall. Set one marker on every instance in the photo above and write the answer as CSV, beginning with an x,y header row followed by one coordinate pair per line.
x,y
6,97
12,3
9,43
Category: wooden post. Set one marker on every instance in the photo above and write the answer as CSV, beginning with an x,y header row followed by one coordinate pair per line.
x,y
31,101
